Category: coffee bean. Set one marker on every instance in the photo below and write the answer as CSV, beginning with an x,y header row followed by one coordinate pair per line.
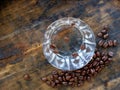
x,y
72,79
55,76
97,68
98,54
99,34
106,27
104,58
82,47
52,83
110,54
70,83
77,74
94,56
88,78
97,59
75,54
68,77
101,62
110,43
64,83
60,78
56,81
53,46
44,79
88,71
51,77
105,45
105,36
63,78
83,73
58,85
75,79
27,77
110,59
78,71
115,42
85,68
92,71
104,31
95,63
100,43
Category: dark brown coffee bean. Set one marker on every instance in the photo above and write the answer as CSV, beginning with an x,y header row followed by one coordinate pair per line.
x,y
94,56
68,77
78,71
98,54
97,68
85,68
55,76
48,82
60,78
80,77
44,79
66,74
61,74
115,42
105,36
75,79
107,62
63,78
65,83
99,34
53,46
104,31
95,63
110,59
82,47
88,78
52,84
51,77
97,59
106,27
110,54
88,71
72,79
83,73
100,43
110,43
73,74
92,71
70,83
56,81
75,54
105,45
27,77
77,74
104,53
101,62
104,58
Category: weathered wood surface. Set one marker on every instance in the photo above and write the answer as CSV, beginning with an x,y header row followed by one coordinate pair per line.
x,y
22,26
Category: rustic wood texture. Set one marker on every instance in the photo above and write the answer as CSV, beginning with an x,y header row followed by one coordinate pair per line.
x,y
22,27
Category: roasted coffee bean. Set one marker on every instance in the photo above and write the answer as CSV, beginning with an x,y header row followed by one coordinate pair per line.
x,y
81,77
72,79
55,76
68,77
70,83
104,58
92,71
61,73
104,54
104,31
99,34
94,56
63,78
101,62
83,73
88,78
82,47
27,77
95,63
78,71
66,74
77,74
105,45
65,83
44,79
60,78
73,74
110,43
53,46
56,81
100,43
106,27
110,54
98,54
51,77
105,36
52,84
75,54
97,68
85,68
88,71
110,59
115,42
97,59
76,79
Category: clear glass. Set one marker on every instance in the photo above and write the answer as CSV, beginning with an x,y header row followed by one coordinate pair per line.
x,y
69,43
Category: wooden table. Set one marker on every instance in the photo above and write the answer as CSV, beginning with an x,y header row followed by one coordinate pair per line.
x,y
22,27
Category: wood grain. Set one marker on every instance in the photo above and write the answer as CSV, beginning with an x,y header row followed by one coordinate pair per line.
x,y
22,27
